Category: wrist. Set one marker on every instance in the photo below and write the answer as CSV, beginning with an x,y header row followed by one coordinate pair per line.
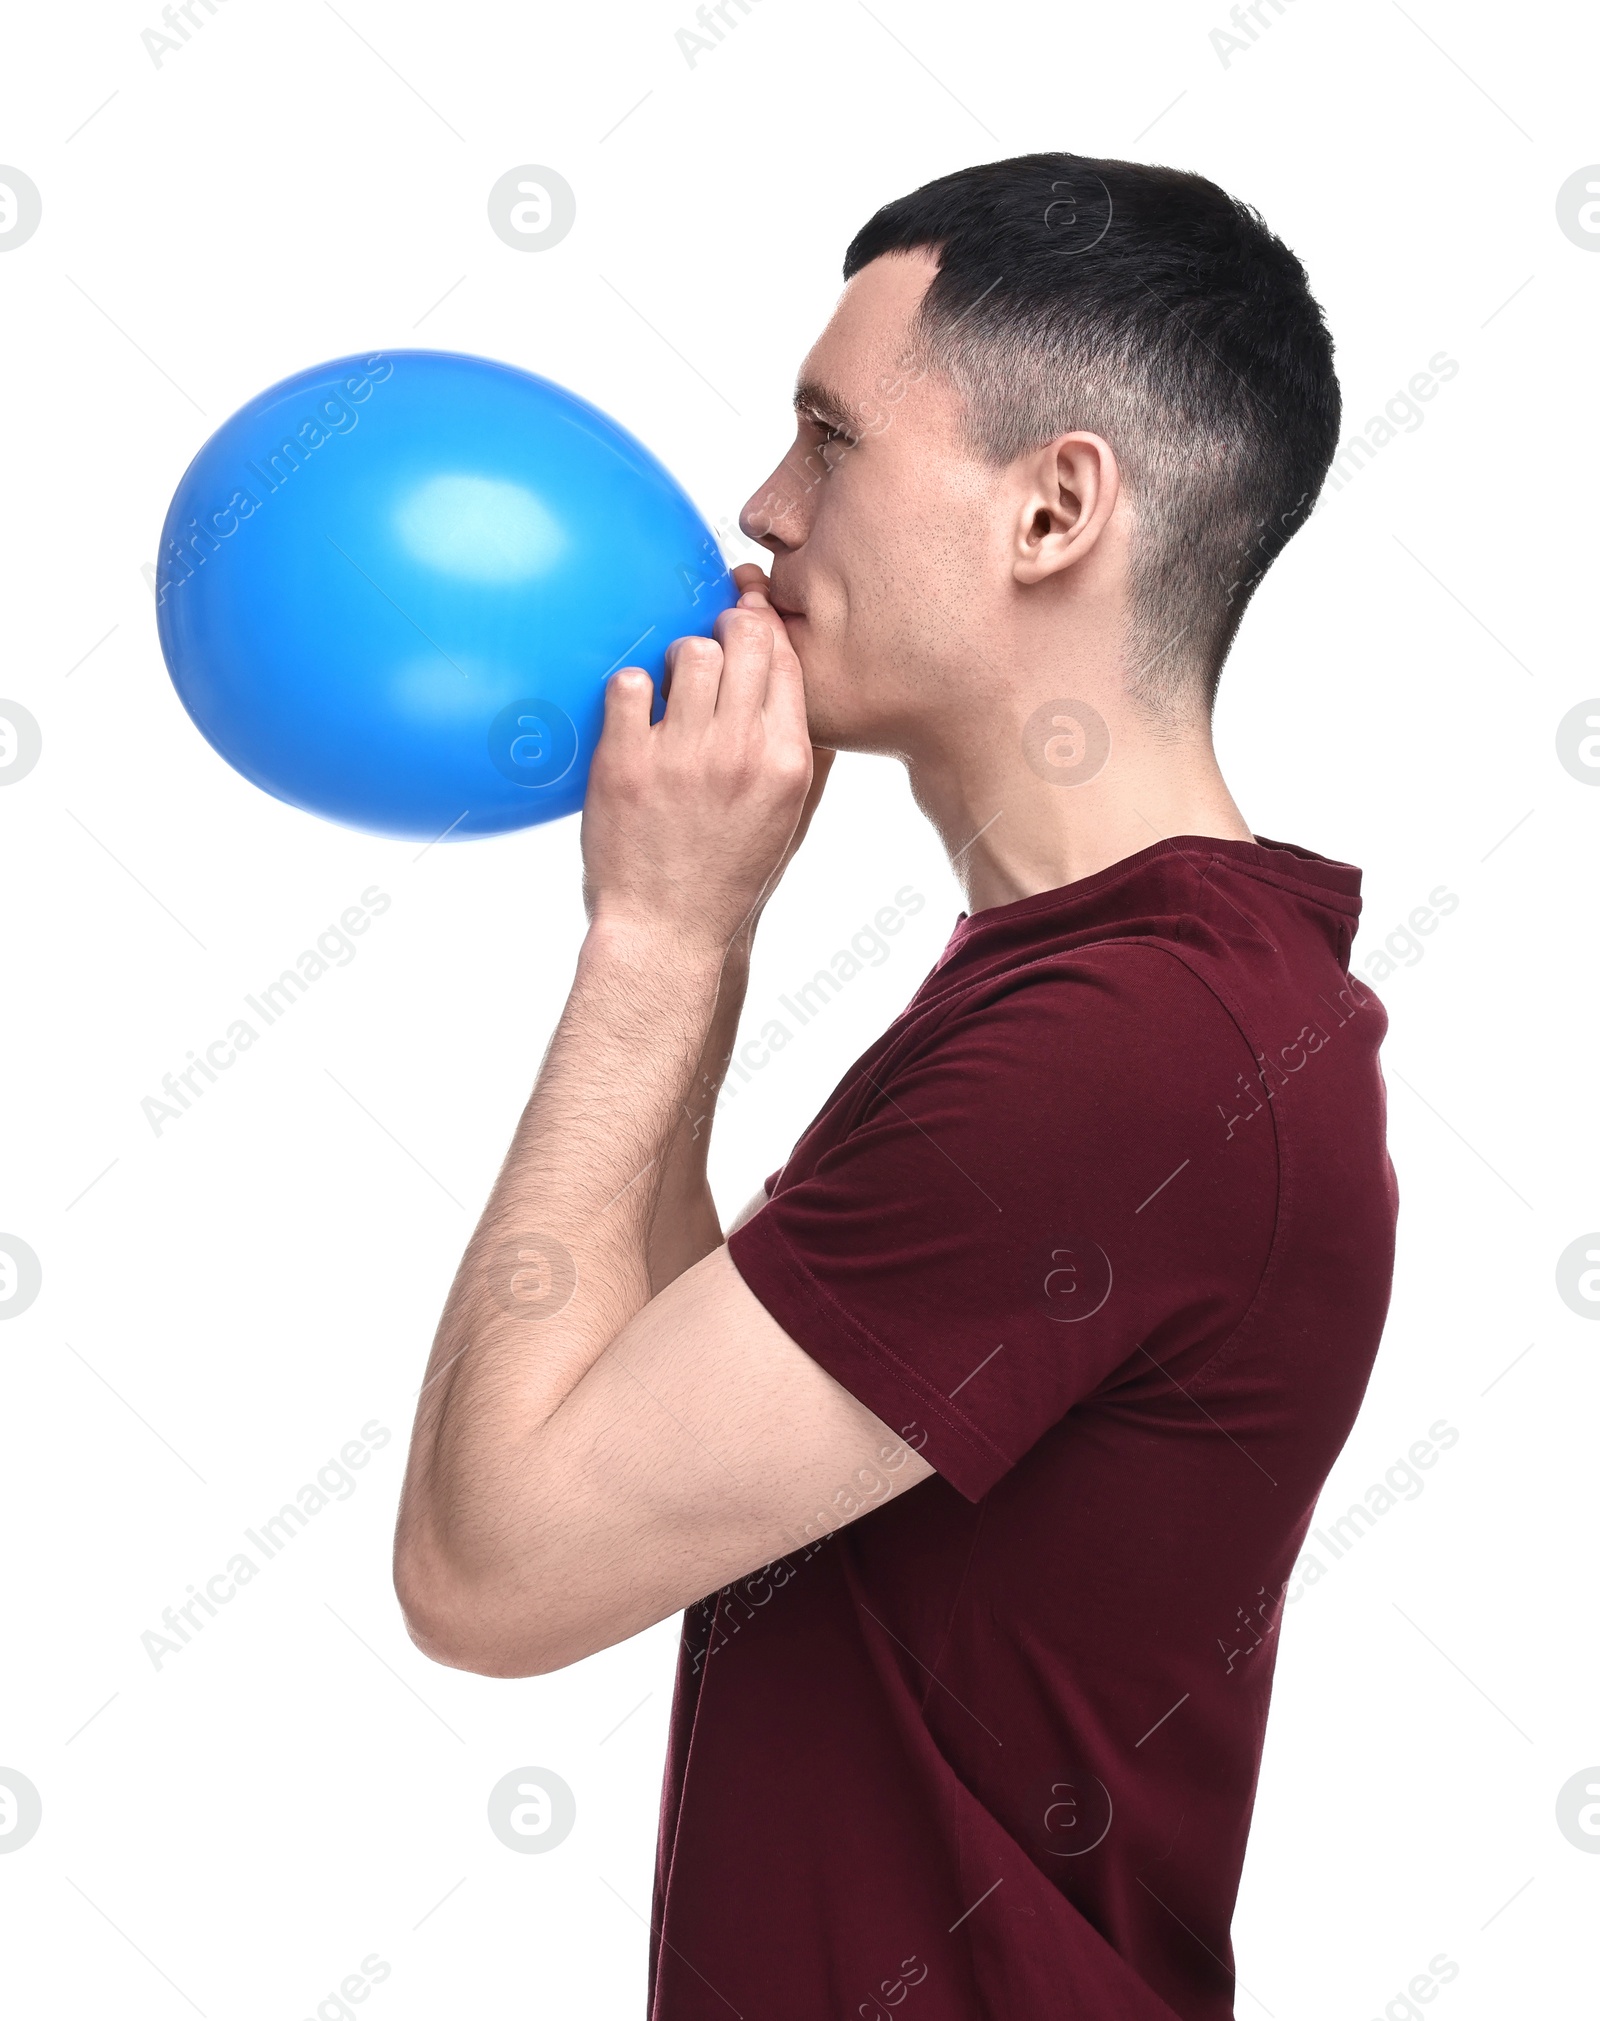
x,y
651,945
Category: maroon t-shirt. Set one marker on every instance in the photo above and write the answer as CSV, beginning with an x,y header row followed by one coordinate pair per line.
x,y
1103,1226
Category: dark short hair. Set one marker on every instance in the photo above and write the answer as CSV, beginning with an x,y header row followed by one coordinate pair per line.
x,y
1147,306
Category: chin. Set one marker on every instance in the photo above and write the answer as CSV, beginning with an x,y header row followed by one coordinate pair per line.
x,y
835,712
837,730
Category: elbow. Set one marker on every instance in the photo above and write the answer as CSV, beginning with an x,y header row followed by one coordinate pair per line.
x,y
456,1623
432,1623
434,1627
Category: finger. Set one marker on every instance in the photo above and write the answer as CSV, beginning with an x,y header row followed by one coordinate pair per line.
x,y
747,647
782,645
750,575
694,672
629,695
784,704
755,603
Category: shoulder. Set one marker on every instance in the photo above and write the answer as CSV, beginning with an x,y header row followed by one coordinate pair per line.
x,y
1125,1000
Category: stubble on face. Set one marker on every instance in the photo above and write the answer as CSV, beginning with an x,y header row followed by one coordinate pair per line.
x,y
881,516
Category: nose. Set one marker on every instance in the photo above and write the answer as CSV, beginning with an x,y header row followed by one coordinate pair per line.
x,y
773,516
756,522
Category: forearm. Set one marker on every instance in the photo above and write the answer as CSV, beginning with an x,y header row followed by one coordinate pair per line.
x,y
522,1324
686,1225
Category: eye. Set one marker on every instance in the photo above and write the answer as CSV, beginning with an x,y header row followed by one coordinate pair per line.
x,y
830,434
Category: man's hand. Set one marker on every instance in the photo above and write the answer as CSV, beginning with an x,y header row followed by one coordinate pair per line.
x,y
688,822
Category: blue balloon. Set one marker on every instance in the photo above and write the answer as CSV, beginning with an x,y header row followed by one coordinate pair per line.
x,y
391,589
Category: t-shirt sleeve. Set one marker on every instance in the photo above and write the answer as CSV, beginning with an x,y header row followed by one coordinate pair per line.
x,y
1027,1197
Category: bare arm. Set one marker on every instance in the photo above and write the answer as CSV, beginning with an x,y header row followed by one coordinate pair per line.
x,y
509,1558
685,1226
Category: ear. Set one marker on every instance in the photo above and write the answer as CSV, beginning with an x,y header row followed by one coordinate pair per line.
x,y
1070,491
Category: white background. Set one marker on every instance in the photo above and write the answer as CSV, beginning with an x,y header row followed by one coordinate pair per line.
x,y
228,1303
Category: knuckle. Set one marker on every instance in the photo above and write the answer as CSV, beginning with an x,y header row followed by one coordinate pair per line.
x,y
699,652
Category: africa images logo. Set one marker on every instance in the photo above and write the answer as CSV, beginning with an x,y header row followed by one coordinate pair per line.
x,y
190,546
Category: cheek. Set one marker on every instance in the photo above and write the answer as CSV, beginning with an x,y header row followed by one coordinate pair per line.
x,y
928,572
903,599
891,564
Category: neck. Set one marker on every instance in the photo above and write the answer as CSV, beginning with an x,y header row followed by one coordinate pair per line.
x,y
1010,833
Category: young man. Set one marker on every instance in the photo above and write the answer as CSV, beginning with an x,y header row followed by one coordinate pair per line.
x,y
994,1428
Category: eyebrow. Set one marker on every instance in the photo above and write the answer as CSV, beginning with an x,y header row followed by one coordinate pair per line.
x,y
829,407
